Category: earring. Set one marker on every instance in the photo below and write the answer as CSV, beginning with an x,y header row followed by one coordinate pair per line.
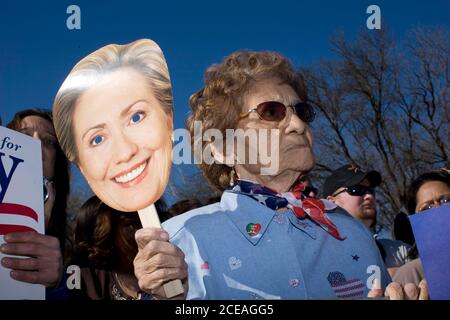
x,y
232,173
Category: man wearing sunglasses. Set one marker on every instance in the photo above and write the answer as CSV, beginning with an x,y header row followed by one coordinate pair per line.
x,y
354,190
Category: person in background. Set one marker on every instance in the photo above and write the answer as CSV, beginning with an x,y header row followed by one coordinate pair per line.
x,y
429,190
354,190
44,264
105,248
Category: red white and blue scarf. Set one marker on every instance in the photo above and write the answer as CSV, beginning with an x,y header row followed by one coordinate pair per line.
x,y
302,206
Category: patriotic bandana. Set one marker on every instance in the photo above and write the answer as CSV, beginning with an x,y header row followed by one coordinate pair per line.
x,y
295,200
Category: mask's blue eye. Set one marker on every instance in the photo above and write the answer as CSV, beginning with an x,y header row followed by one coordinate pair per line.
x,y
97,140
135,118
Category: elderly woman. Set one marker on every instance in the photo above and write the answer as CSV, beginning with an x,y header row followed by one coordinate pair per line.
x,y
264,239
44,264
113,118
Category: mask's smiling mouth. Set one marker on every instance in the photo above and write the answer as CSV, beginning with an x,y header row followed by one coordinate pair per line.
x,y
131,176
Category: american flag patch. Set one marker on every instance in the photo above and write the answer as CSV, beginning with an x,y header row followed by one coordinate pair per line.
x,y
345,289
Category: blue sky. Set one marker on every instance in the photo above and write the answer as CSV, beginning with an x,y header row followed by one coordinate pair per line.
x,y
37,50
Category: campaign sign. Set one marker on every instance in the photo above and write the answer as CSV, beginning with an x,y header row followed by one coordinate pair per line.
x,y
21,202
431,230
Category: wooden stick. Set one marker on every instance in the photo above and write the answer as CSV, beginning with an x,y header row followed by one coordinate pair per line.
x,y
149,218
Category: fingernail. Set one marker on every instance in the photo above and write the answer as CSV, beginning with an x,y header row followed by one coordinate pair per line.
x,y
5,262
7,237
3,248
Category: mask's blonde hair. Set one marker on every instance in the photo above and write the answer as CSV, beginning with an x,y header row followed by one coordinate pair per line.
x,y
144,56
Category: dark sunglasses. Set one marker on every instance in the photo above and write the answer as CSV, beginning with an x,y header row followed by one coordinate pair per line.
x,y
276,111
357,190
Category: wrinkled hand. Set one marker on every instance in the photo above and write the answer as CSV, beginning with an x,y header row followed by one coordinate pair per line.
x,y
44,264
157,262
395,291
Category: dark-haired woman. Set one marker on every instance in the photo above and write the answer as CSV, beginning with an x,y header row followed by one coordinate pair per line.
x,y
44,264
429,190
105,249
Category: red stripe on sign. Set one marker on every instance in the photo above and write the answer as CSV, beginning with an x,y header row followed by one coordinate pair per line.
x,y
12,208
8,228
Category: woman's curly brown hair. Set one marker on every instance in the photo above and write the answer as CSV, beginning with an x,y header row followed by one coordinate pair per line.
x,y
219,103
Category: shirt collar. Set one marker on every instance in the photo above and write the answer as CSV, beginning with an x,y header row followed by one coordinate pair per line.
x,y
304,225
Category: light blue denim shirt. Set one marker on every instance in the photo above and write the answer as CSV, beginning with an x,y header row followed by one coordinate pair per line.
x,y
240,249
